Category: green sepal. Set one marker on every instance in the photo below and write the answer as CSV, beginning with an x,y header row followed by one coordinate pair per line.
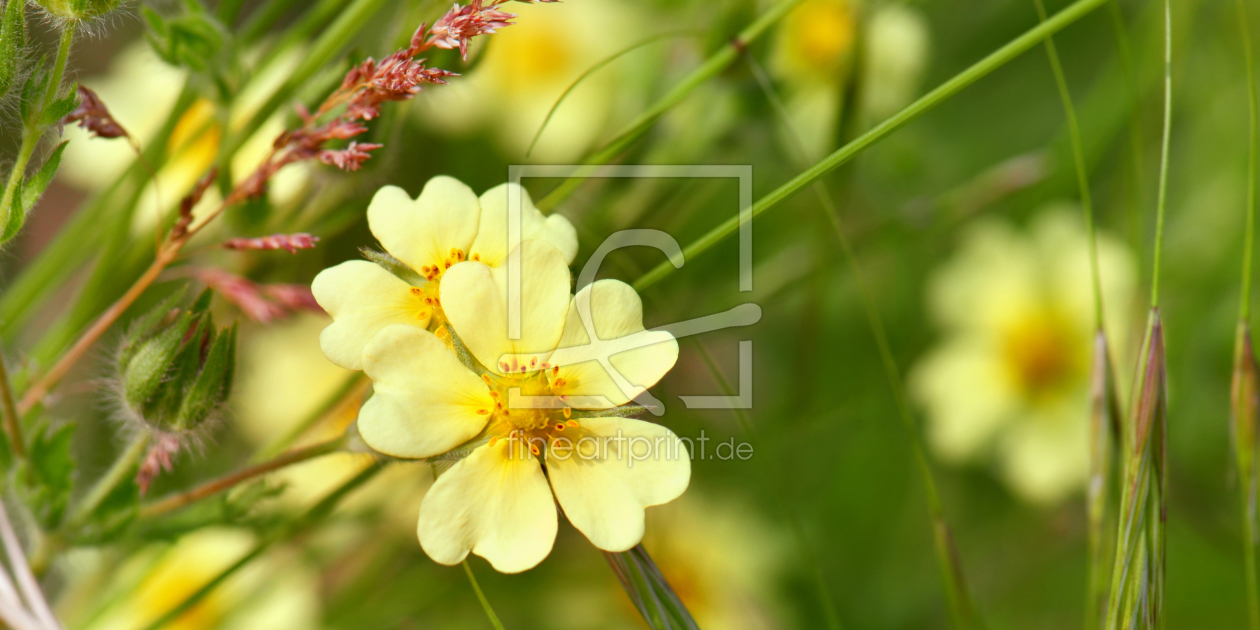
x,y
207,389
394,266
146,369
202,303
147,326
30,92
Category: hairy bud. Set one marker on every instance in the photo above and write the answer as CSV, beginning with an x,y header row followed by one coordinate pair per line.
x,y
79,9
176,367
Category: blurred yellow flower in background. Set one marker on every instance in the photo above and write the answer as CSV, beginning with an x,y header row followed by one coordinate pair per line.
x,y
139,90
895,55
1011,376
524,70
813,57
261,596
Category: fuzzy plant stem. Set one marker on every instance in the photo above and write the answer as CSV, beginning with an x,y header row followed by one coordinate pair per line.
x,y
942,93
31,129
122,468
211,488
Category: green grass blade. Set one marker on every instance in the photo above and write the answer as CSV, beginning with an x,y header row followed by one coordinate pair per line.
x,y
481,597
946,90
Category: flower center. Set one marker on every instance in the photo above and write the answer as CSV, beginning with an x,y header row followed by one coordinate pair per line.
x,y
530,408
821,34
1042,354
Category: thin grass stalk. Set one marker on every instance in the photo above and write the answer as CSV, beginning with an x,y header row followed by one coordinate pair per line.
x,y
649,591
303,523
962,607
1102,387
942,93
1245,407
808,557
1245,411
481,597
711,67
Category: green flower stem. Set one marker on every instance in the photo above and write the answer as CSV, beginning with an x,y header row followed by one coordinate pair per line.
x,y
32,131
481,597
122,468
303,523
711,67
211,488
980,69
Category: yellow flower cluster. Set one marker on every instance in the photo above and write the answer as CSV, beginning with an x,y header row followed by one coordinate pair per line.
x,y
529,417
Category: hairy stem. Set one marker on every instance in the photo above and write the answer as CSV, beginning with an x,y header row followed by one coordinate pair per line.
x,y
122,468
211,488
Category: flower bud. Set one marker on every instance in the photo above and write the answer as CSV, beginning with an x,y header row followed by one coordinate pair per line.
x,y
79,9
176,367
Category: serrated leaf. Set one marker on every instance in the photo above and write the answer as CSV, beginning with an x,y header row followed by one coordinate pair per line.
x,y
29,193
52,474
12,41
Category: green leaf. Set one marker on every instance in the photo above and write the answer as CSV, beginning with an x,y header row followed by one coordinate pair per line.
x,y
60,108
51,477
649,591
113,516
30,91
29,193
12,41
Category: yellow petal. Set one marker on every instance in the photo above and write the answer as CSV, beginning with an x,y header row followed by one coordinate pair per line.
x,y
423,231
491,244
495,503
362,299
425,402
616,469
616,314
963,387
474,298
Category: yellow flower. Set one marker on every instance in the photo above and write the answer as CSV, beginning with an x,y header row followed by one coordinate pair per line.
x,y
526,67
445,225
277,591
812,56
496,502
894,57
1012,374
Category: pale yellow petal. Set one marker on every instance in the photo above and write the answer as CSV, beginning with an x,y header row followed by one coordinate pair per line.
x,y
425,402
474,298
1045,455
362,299
965,391
640,357
423,231
491,244
616,469
494,503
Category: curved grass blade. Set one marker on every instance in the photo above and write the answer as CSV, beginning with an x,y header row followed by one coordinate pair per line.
x,y
596,68
711,67
980,69
481,597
